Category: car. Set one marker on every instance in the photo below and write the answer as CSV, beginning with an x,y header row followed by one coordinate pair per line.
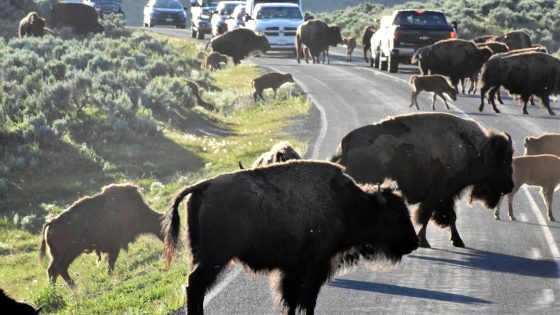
x,y
223,11
236,19
201,11
278,22
165,12
105,6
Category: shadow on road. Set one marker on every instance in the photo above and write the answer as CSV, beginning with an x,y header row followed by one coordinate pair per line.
x,y
404,291
497,262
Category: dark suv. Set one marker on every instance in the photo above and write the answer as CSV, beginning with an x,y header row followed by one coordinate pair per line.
x,y
165,12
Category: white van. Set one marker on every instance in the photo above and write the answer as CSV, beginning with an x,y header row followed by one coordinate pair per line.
x,y
278,22
252,3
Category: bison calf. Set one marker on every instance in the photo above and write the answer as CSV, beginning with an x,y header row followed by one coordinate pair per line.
x,y
302,218
105,223
434,83
548,143
270,81
280,152
213,60
32,25
350,43
10,306
536,170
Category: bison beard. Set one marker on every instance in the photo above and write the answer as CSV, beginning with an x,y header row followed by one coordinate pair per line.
x,y
303,219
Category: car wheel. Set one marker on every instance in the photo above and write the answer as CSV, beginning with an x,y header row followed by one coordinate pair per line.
x,y
393,64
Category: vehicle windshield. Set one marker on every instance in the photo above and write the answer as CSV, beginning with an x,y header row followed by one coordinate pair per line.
x,y
208,3
168,4
228,8
278,13
420,18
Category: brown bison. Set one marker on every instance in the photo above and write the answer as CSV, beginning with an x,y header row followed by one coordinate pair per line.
x,y
301,218
280,152
350,43
272,81
9,306
515,40
454,58
105,223
32,25
484,38
496,47
82,18
239,43
433,157
213,60
435,83
548,143
367,33
317,36
523,74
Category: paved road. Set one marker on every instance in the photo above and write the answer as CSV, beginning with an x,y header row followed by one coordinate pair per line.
x,y
507,267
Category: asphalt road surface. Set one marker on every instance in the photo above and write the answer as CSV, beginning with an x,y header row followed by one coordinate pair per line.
x,y
507,267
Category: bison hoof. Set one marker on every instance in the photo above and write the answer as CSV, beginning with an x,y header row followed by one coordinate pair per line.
x,y
552,113
525,112
551,218
424,244
497,111
480,108
497,216
458,243
512,218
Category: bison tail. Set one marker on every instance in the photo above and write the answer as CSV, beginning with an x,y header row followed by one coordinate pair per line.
x,y
207,44
171,222
337,157
43,248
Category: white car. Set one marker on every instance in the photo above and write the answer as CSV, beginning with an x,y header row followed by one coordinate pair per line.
x,y
237,18
278,22
223,11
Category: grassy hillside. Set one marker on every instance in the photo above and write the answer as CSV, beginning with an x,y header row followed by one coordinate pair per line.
x,y
332,5
474,17
76,114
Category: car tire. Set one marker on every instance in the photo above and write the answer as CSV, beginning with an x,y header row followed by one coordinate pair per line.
x,y
392,64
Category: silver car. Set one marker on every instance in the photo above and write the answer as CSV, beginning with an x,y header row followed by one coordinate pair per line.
x,y
223,11
236,19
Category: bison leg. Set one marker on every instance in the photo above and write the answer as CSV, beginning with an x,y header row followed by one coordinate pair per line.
x,y
463,85
455,237
491,96
434,101
113,255
510,202
275,92
497,211
525,99
546,103
483,91
290,288
499,95
366,48
547,195
413,99
422,216
444,216
317,275
444,99
62,267
200,279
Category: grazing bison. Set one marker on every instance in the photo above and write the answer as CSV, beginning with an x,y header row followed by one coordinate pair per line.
x,y
272,81
515,39
434,83
239,43
82,18
317,36
523,74
32,25
105,223
350,43
454,58
432,157
536,170
280,152
301,218
9,306
367,33
213,60
548,143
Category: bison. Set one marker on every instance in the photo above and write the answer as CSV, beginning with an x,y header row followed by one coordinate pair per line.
x,y
496,47
302,218
515,39
454,58
367,33
32,25
350,43
239,43
548,143
317,36
433,157
213,60
82,18
523,74
272,81
105,223
435,83
280,152
10,306
538,170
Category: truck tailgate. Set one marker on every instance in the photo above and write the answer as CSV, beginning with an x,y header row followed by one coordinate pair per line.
x,y
415,37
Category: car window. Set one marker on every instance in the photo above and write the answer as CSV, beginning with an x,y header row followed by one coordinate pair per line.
x,y
420,17
278,13
168,4
227,9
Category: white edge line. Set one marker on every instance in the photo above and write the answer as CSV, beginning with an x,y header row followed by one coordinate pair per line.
x,y
222,285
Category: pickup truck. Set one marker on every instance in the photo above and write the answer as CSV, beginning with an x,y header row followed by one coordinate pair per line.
x,y
404,32
278,22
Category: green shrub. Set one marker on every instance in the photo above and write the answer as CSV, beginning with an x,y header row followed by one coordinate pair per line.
x,y
50,299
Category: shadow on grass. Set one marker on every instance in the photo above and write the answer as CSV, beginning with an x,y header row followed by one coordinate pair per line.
x,y
405,291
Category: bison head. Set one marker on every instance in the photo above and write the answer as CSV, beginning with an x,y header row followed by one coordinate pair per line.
x,y
485,53
497,156
335,37
262,44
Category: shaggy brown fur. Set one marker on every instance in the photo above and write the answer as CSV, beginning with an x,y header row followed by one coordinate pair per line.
x,y
272,81
548,143
9,306
317,35
280,152
434,83
199,101
32,25
213,60
536,170
239,43
350,43
367,33
105,223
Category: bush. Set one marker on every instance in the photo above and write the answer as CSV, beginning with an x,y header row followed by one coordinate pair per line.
x,y
51,299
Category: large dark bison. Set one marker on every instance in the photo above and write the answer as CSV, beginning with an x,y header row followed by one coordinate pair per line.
x,y
105,223
32,25
82,18
454,58
515,40
302,218
9,306
367,33
239,43
524,74
317,36
432,157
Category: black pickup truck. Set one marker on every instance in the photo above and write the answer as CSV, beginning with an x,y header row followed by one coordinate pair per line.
x,y
404,32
